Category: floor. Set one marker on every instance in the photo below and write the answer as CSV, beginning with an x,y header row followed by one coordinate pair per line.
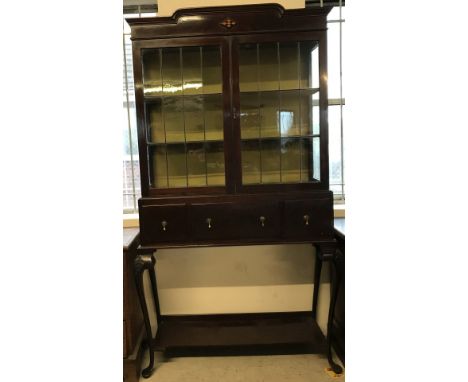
x,y
270,368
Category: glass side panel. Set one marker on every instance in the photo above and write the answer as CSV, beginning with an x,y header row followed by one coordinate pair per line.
x,y
306,160
315,118
314,67
310,159
305,110
279,112
192,70
309,68
184,116
316,157
211,70
251,162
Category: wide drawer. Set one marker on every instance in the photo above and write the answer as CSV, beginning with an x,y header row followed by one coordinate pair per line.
x,y
213,221
259,220
163,223
308,219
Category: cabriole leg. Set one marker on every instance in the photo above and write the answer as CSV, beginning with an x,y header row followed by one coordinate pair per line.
x,y
145,262
154,289
317,273
330,254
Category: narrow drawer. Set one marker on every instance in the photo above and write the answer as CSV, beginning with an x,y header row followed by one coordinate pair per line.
x,y
259,220
212,221
308,219
163,223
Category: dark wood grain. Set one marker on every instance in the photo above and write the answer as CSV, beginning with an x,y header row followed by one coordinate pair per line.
x,y
234,214
236,217
239,330
163,223
265,18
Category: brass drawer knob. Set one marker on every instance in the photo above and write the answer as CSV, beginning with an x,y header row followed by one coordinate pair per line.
x,y
306,219
208,221
164,225
262,220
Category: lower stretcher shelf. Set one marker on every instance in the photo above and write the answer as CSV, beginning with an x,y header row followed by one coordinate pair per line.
x,y
241,332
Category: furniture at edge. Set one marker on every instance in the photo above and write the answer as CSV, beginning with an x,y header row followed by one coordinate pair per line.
x,y
231,107
132,316
338,340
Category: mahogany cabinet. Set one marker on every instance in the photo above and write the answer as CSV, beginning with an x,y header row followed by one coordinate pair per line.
x,y
233,142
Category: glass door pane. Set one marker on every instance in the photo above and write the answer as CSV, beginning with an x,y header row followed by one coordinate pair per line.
x,y
184,116
192,70
279,112
268,67
251,162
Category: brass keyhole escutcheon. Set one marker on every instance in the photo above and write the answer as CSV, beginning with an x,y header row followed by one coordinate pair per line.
x,y
262,220
306,219
228,23
208,221
164,225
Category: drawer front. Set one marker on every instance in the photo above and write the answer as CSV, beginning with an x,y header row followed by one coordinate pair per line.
x,y
259,220
212,221
308,219
163,223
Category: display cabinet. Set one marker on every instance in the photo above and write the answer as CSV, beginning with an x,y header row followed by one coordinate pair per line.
x,y
233,143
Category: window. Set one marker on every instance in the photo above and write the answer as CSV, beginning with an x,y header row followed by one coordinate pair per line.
x,y
131,163
131,168
336,102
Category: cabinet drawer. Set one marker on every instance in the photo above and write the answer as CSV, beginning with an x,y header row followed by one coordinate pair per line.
x,y
259,220
212,221
163,223
308,219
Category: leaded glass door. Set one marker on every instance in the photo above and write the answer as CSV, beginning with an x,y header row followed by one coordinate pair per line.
x,y
184,118
280,112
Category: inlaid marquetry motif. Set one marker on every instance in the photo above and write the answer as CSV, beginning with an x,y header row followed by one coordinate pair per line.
x,y
228,23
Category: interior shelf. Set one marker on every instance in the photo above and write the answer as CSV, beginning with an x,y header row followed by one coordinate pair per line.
x,y
305,91
185,142
149,98
240,330
265,138
221,140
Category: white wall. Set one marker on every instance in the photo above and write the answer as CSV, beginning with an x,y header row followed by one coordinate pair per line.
x,y
168,7
249,279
